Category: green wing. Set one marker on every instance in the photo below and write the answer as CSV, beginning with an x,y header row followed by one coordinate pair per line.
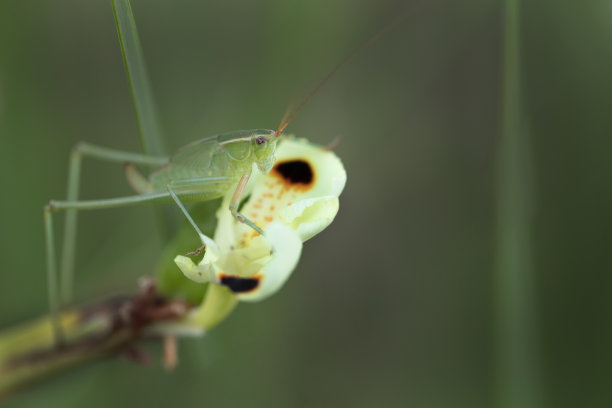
x,y
196,155
188,162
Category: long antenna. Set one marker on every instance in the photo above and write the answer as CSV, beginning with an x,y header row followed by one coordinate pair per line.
x,y
287,118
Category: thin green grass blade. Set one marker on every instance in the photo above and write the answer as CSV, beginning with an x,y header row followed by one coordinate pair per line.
x,y
146,111
517,359
151,136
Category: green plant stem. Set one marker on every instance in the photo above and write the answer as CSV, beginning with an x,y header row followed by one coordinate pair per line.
x,y
217,305
28,352
517,363
31,352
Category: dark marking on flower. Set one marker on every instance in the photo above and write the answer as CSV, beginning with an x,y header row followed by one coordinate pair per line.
x,y
240,285
296,172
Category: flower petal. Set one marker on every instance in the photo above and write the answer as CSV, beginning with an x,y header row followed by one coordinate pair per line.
x,y
310,216
188,268
286,249
204,271
303,172
323,162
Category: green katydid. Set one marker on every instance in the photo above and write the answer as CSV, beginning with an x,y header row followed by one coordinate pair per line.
x,y
204,170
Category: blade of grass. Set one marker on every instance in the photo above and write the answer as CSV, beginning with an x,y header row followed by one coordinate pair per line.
x,y
146,111
517,363
151,137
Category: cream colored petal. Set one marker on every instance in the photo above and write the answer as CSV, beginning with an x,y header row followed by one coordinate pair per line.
x,y
286,248
246,261
211,246
224,233
191,270
311,216
204,271
329,173
302,172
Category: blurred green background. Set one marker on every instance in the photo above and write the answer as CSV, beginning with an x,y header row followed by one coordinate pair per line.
x,y
396,303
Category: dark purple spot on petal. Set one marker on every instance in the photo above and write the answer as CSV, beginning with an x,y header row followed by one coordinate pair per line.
x,y
295,172
240,285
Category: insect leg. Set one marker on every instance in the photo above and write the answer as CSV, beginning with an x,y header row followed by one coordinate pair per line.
x,y
180,205
236,201
70,224
52,287
52,278
211,186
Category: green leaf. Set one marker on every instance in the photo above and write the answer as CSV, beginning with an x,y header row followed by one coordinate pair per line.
x,y
517,356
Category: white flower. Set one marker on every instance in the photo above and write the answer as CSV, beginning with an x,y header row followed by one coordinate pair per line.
x,y
294,202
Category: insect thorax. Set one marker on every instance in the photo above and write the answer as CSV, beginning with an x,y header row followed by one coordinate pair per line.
x,y
229,155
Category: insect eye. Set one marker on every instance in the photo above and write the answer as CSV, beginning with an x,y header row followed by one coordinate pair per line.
x,y
260,140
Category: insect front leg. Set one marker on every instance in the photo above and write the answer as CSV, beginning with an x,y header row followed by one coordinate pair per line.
x,y
202,188
236,202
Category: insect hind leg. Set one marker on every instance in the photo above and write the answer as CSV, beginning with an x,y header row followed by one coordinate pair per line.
x,y
137,180
60,289
52,276
52,284
80,151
